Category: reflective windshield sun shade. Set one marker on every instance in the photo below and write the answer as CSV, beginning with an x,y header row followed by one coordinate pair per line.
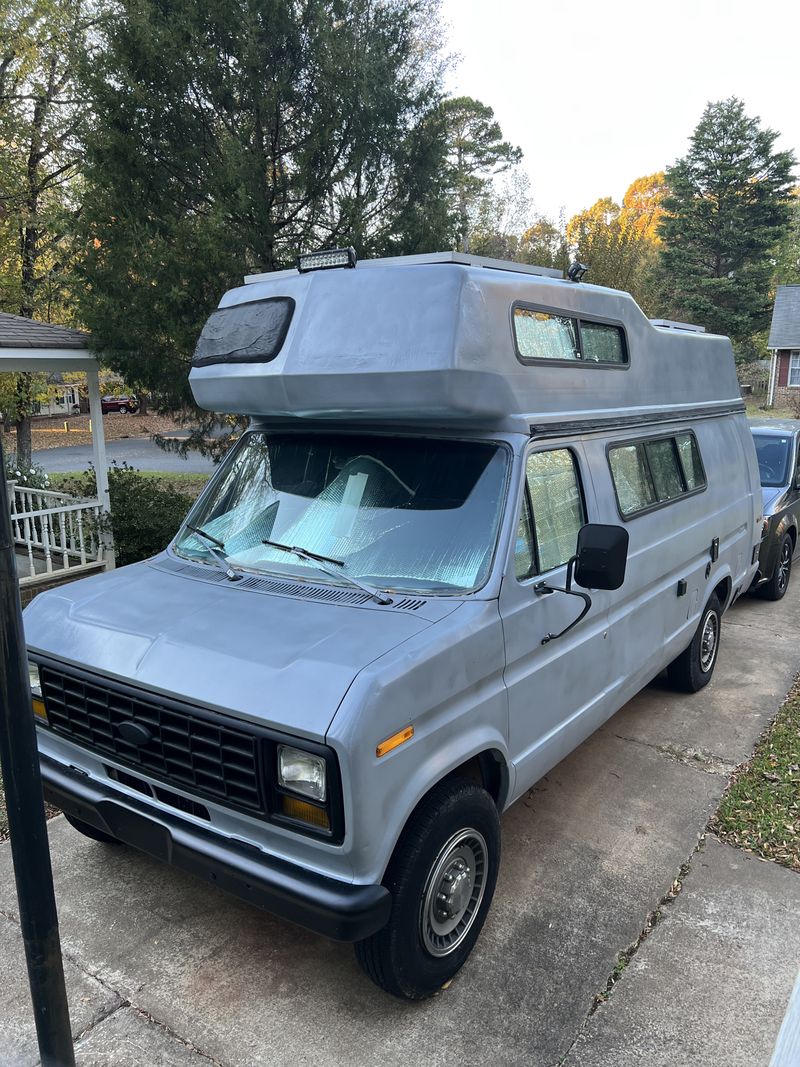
x,y
404,513
245,333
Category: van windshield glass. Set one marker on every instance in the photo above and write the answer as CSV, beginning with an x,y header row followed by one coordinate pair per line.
x,y
400,513
772,451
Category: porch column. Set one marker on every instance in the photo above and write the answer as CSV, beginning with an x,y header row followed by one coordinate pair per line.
x,y
99,455
773,376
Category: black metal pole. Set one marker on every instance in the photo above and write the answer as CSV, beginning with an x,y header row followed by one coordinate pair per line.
x,y
19,763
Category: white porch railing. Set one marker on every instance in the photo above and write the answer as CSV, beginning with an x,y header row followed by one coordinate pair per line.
x,y
57,533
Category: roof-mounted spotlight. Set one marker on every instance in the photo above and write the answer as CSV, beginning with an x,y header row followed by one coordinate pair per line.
x,y
577,271
326,260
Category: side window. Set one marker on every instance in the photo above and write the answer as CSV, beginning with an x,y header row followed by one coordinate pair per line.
x,y
690,461
655,471
663,460
557,504
524,561
541,335
631,479
602,344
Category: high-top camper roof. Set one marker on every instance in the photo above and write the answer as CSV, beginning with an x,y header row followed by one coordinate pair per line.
x,y
449,339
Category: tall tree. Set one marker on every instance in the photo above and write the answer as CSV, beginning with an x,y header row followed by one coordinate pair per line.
x,y
501,213
619,243
40,42
787,254
226,136
726,211
476,154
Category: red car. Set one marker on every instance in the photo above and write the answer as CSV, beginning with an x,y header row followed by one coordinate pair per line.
x,y
122,404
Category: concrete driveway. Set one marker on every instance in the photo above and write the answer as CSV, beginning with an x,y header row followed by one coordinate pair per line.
x,y
164,969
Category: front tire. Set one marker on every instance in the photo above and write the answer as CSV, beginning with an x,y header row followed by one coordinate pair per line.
x,y
442,878
90,831
775,588
693,669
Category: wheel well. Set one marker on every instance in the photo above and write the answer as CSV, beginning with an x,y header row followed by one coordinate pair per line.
x,y
489,770
722,591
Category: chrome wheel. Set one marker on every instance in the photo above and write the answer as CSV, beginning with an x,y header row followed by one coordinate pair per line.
x,y
784,566
453,892
709,641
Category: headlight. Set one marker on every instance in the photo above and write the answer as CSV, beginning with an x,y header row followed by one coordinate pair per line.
x,y
33,675
302,772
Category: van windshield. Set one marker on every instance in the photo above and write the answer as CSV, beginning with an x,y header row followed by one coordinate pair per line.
x,y
402,513
772,451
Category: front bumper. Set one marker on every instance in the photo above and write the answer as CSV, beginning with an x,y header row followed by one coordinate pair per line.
x,y
335,909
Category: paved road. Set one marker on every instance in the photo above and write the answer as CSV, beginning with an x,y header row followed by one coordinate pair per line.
x,y
136,452
165,969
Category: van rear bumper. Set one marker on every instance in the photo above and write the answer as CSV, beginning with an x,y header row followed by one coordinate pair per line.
x,y
335,909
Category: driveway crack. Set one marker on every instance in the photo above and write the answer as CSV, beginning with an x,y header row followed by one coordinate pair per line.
x,y
688,755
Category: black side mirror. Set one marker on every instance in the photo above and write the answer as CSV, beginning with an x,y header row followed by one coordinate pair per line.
x,y
599,563
601,556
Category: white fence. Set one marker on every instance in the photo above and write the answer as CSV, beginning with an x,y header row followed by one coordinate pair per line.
x,y
57,533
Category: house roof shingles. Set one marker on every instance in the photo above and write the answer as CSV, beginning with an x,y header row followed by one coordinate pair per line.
x,y
785,329
19,332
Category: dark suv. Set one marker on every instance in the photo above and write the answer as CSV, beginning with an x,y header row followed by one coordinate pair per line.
x,y
779,464
122,404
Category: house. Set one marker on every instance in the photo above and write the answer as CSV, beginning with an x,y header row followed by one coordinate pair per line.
x,y
784,343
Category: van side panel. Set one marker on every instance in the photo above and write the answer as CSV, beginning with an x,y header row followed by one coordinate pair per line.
x,y
652,619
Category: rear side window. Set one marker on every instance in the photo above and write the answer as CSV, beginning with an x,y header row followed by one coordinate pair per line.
x,y
655,471
547,335
552,513
541,335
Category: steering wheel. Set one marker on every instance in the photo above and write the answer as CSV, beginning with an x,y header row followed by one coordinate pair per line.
x,y
768,473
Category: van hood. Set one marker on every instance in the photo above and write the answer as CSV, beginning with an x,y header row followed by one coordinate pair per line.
x,y
769,494
281,661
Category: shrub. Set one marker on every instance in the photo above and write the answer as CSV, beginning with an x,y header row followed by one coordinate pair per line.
x,y
145,512
26,477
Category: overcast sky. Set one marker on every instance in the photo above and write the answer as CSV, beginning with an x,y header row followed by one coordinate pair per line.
x,y
600,93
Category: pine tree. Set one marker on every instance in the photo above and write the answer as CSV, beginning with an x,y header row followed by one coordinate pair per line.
x,y
725,213
229,135
476,154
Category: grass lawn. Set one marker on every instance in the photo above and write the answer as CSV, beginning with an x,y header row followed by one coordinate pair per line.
x,y
761,809
755,410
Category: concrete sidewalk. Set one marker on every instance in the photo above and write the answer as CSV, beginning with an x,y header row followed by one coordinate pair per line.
x,y
164,969
712,982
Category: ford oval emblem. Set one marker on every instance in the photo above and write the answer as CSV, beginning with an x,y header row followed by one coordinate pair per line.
x,y
134,732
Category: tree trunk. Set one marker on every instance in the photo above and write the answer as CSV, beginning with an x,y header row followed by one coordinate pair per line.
x,y
22,424
143,401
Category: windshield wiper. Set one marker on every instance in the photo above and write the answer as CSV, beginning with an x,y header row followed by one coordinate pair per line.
x,y
322,562
217,552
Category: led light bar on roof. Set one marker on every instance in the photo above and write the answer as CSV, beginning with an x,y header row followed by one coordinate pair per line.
x,y
334,257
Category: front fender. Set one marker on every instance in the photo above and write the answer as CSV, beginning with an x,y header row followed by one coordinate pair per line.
x,y
450,688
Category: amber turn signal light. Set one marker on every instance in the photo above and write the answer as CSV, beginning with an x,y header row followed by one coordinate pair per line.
x,y
305,812
394,741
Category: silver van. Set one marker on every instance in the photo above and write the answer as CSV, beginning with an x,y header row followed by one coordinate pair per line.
x,y
477,508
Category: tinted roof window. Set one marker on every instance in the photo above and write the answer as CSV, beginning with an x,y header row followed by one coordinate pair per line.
x,y
245,333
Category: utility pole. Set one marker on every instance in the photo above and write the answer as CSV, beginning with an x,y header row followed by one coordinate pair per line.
x,y
19,763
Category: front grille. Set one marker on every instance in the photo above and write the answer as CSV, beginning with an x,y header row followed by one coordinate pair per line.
x,y
199,752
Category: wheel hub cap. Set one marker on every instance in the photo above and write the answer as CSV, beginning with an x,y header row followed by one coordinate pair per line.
x,y
708,642
453,892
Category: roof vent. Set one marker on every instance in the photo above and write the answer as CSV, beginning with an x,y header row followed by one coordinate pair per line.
x,y
670,324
